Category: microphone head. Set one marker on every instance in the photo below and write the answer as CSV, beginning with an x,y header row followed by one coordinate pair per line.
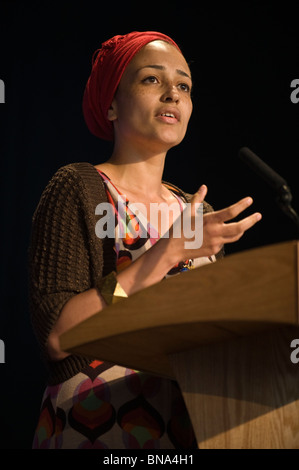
x,y
262,169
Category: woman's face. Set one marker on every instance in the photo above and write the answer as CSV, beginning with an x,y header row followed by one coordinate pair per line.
x,y
152,105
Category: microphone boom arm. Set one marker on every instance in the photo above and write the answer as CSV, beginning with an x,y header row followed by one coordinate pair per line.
x,y
284,195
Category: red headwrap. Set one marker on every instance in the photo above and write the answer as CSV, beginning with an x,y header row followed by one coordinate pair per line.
x,y
108,65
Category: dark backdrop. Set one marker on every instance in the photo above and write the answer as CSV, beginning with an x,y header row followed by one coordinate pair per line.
x,y
243,60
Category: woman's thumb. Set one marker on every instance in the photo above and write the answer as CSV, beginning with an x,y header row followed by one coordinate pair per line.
x,y
200,194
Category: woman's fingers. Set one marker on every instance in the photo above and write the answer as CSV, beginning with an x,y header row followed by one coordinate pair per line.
x,y
218,227
234,210
200,194
234,230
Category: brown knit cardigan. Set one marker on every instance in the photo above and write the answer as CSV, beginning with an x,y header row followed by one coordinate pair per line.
x,y
65,255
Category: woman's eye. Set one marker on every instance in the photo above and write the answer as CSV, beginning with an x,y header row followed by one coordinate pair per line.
x,y
150,79
185,87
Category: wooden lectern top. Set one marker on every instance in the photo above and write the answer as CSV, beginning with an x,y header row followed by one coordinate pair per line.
x,y
241,294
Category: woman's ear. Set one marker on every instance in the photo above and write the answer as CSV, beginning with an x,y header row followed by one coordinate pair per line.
x,y
112,114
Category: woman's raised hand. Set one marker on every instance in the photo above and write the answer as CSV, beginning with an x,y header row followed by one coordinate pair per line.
x,y
215,226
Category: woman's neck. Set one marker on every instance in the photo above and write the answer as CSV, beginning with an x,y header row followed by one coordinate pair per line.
x,y
136,173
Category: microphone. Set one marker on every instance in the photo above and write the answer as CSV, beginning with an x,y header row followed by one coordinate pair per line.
x,y
262,169
279,184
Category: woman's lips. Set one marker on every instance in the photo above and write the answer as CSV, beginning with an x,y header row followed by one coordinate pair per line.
x,y
169,116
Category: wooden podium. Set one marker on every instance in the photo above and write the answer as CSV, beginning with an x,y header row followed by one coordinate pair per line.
x,y
224,332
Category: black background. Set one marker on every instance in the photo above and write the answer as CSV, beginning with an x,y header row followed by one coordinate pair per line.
x,y
243,59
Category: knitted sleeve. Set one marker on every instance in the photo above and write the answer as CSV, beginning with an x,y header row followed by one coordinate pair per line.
x,y
65,256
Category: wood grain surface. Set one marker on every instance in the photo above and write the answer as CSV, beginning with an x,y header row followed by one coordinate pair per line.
x,y
223,331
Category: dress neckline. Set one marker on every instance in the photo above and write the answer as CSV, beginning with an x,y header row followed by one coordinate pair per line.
x,y
178,198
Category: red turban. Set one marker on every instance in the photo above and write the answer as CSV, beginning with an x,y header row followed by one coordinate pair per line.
x,y
108,65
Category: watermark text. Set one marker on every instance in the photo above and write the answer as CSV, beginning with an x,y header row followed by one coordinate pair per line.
x,y
141,222
295,93
2,91
295,354
2,352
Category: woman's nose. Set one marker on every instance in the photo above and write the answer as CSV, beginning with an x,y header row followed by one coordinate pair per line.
x,y
170,94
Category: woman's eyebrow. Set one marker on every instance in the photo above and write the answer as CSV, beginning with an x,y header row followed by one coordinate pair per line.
x,y
161,67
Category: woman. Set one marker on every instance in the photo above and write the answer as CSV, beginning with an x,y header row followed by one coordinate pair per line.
x,y
139,96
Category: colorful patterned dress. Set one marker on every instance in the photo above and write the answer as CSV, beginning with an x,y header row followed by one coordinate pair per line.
x,y
107,406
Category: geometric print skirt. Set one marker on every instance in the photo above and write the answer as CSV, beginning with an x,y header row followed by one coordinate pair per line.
x,y
111,407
